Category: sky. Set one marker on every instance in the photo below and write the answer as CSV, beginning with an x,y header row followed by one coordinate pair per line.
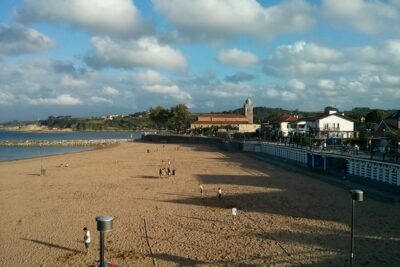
x,y
92,58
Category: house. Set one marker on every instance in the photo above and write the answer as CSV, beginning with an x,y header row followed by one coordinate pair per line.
x,y
242,123
390,125
382,137
283,124
114,116
327,125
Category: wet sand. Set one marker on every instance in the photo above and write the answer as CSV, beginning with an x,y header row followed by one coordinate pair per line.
x,y
284,218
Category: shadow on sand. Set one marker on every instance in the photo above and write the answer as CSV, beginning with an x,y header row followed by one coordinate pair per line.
x,y
51,245
181,261
146,177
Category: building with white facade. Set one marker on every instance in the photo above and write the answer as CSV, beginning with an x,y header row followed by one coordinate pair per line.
x,y
327,125
282,126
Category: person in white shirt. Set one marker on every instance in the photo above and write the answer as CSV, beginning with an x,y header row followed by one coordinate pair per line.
x,y
201,190
219,193
86,239
234,213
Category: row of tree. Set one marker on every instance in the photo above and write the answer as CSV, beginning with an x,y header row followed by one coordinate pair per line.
x,y
176,118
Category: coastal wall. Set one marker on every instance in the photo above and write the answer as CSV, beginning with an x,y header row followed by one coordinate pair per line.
x,y
369,172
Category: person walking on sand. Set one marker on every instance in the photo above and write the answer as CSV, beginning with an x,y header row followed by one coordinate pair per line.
x,y
86,239
234,213
201,190
219,193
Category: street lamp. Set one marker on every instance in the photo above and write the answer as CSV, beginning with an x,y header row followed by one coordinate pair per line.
x,y
104,224
356,195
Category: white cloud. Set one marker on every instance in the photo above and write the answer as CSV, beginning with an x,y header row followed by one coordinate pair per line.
x,y
111,17
98,99
162,89
310,52
326,84
279,94
391,79
149,77
153,82
370,17
230,90
393,49
145,52
272,93
64,99
6,98
110,91
69,81
302,59
311,60
221,19
288,96
167,90
296,85
237,57
18,39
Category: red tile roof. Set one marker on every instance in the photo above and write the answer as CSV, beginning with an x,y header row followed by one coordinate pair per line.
x,y
287,118
219,115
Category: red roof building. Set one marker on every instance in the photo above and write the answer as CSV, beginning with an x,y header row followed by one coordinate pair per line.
x,y
243,123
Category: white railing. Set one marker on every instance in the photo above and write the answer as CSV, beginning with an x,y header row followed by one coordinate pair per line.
x,y
384,172
378,171
298,155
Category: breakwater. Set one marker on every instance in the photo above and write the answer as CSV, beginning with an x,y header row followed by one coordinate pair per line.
x,y
97,142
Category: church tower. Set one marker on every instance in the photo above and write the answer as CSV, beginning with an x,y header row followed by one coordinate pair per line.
x,y
248,110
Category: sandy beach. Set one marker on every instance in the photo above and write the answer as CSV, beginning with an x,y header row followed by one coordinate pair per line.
x,y
283,218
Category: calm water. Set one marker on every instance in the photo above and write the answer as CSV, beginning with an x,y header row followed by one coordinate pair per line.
x,y
14,152
16,136
21,152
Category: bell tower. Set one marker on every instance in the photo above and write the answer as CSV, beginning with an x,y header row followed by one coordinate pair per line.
x,y
248,110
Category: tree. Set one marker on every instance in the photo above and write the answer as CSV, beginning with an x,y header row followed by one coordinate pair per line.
x,y
159,116
180,117
376,116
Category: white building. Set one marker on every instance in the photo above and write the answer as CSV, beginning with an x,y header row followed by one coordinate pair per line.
x,y
283,125
331,124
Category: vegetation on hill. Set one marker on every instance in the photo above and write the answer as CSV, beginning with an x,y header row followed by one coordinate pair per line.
x,y
129,122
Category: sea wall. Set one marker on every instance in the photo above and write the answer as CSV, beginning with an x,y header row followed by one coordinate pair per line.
x,y
381,175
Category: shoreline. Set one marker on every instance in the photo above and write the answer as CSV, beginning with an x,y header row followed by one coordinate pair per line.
x,y
90,148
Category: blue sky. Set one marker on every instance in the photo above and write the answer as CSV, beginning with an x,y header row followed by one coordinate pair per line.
x,y
90,58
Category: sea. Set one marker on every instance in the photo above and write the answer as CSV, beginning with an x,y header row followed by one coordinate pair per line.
x,y
8,153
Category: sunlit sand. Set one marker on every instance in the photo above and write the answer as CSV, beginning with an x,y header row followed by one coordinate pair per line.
x,y
283,218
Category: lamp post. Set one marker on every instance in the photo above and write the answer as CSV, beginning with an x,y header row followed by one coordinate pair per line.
x,y
356,195
104,224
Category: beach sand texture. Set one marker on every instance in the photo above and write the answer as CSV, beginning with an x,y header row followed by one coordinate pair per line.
x,y
283,218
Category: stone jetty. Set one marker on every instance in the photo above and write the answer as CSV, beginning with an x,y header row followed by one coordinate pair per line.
x,y
96,142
